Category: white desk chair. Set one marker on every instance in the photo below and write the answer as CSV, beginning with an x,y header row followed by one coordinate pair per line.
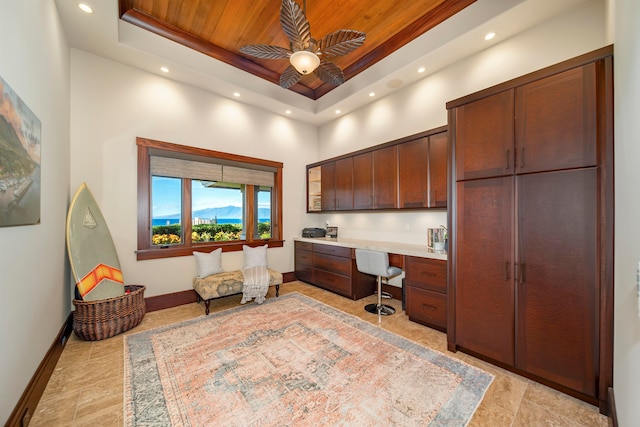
x,y
376,263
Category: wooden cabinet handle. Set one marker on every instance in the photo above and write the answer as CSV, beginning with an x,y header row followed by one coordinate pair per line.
x,y
521,273
522,157
429,306
507,267
507,159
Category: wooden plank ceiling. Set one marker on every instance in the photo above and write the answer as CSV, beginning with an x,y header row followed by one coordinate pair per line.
x,y
219,28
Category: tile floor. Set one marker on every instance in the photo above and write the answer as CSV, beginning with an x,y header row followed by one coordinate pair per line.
x,y
77,396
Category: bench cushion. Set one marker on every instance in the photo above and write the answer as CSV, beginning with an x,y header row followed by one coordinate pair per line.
x,y
227,283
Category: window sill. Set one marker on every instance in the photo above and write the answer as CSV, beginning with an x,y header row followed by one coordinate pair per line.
x,y
182,250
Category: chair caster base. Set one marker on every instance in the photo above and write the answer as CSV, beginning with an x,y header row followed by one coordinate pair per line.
x,y
385,310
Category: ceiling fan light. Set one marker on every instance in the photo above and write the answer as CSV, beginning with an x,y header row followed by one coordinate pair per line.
x,y
304,61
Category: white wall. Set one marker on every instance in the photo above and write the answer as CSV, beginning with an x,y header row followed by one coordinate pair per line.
x,y
421,106
626,351
34,61
112,104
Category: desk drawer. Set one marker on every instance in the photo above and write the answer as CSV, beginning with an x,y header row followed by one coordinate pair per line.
x,y
303,257
305,246
332,250
304,273
426,307
332,282
426,273
332,264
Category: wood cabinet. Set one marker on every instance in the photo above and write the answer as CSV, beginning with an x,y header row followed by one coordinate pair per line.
x,y
363,181
531,255
438,165
328,183
333,268
337,185
555,127
375,179
409,173
414,173
385,178
426,291
344,184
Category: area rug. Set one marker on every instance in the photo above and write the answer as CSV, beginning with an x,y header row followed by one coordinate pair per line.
x,y
292,361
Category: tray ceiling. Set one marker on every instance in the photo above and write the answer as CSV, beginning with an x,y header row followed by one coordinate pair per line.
x,y
219,28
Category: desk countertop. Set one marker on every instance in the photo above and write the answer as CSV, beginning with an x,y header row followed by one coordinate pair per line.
x,y
391,247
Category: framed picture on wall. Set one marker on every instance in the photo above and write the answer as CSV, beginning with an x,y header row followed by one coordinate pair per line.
x,y
20,133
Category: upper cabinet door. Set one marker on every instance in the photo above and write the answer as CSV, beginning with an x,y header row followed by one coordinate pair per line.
x,y
385,178
414,173
484,137
363,181
328,186
344,184
556,121
438,148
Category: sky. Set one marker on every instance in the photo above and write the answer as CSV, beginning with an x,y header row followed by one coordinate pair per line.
x,y
167,195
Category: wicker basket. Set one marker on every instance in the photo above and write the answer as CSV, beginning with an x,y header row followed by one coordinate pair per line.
x,y
97,320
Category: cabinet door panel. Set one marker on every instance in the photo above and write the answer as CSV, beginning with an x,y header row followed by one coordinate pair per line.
x,y
344,184
484,315
557,290
363,181
484,137
438,148
385,178
413,172
328,186
556,122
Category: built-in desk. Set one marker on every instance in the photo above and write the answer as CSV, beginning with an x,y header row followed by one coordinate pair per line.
x,y
330,264
422,251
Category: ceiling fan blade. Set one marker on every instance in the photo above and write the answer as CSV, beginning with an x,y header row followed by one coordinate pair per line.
x,y
341,42
289,77
330,73
295,25
265,51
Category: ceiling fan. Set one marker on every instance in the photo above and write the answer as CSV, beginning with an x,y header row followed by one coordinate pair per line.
x,y
306,54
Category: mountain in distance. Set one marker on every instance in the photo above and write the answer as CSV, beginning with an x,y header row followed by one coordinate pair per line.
x,y
223,212
14,159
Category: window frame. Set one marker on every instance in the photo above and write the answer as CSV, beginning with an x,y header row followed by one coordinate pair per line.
x,y
146,148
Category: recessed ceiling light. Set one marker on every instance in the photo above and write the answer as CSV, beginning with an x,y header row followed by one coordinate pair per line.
x,y
421,70
489,36
164,69
372,94
85,8
338,111
288,112
236,94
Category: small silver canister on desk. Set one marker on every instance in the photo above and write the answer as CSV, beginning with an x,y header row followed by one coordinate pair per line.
x,y
436,238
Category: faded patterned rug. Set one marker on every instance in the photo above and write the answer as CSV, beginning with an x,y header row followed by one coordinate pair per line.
x,y
292,361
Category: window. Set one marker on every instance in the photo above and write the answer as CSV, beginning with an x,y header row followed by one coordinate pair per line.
x,y
192,199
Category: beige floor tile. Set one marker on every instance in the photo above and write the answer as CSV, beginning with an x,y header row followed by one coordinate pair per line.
x,y
566,406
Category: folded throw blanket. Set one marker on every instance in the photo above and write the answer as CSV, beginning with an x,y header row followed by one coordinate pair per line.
x,y
256,284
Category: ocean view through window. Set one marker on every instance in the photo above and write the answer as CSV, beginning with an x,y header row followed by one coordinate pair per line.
x,y
200,200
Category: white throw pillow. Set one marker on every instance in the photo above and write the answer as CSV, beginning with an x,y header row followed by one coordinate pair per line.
x,y
208,263
255,257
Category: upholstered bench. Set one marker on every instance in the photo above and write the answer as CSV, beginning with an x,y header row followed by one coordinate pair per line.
x,y
227,283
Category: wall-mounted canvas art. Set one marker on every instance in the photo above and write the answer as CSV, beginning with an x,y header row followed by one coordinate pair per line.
x,y
19,160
